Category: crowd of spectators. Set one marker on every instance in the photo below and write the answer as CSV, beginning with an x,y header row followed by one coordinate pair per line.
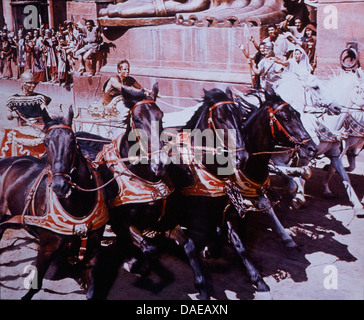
x,y
51,54
290,45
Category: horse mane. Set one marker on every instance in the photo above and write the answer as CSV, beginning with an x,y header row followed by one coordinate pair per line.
x,y
270,99
211,97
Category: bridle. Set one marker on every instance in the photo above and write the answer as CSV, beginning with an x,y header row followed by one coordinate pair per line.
x,y
211,124
217,104
67,176
135,129
274,121
315,95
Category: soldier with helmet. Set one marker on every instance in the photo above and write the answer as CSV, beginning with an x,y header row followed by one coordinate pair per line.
x,y
27,106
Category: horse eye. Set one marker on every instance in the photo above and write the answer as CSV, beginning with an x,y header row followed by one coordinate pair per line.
x,y
286,117
137,120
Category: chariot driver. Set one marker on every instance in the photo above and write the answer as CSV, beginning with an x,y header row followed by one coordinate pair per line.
x,y
27,106
112,87
112,103
111,106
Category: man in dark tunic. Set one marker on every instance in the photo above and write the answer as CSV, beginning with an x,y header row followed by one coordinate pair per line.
x,y
27,106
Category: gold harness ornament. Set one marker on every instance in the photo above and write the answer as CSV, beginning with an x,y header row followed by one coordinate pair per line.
x,y
206,183
58,220
249,188
132,189
353,127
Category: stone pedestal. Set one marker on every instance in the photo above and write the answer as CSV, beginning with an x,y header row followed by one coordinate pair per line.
x,y
184,60
333,39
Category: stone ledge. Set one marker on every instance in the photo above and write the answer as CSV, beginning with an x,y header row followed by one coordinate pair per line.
x,y
185,74
135,22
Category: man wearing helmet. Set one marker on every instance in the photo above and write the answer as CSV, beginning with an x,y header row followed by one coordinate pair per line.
x,y
27,106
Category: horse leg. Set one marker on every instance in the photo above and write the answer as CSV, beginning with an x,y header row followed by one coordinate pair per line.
x,y
352,161
298,198
188,245
254,274
330,172
214,248
286,238
134,261
47,250
90,264
337,163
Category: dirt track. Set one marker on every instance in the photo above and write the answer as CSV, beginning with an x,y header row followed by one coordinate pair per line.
x,y
329,235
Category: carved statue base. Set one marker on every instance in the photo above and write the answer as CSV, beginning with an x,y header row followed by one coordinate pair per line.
x,y
216,13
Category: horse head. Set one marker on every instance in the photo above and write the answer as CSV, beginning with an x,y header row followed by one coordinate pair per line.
x,y
306,93
61,149
320,96
286,127
144,126
217,120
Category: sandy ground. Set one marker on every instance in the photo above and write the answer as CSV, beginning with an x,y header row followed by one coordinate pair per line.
x,y
330,265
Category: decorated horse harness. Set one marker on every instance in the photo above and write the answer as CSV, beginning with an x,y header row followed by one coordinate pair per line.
x,y
56,218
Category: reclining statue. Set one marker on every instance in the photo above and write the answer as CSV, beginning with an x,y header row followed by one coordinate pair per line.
x,y
190,12
150,8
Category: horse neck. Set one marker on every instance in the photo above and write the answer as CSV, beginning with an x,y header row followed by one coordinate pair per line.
x,y
80,203
260,144
211,165
141,170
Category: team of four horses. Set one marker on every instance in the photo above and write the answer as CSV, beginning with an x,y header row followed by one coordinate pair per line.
x,y
199,178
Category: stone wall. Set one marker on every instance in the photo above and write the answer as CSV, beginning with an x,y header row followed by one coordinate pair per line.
x,y
184,60
332,39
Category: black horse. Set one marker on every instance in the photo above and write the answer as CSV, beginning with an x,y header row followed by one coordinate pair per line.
x,y
274,123
206,163
137,196
208,216
39,196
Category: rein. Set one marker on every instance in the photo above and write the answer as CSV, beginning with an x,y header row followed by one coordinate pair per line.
x,y
212,124
135,129
273,120
51,175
